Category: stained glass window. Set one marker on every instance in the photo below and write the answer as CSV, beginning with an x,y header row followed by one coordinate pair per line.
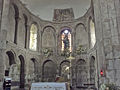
x,y
66,40
33,37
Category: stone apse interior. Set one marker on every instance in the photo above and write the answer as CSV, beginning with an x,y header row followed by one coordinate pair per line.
x,y
37,50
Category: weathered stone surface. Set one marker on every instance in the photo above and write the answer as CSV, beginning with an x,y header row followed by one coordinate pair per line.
x,y
110,74
110,65
107,24
35,66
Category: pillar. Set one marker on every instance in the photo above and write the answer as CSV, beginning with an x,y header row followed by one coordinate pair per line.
x,y
4,11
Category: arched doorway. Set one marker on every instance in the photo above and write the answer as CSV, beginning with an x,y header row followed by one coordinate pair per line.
x,y
49,71
81,73
10,60
65,70
11,57
33,70
22,71
11,66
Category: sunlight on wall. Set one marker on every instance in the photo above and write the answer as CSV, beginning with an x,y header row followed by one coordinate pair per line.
x,y
33,37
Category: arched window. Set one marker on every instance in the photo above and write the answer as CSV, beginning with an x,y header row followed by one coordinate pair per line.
x,y
92,33
16,22
66,40
48,37
33,37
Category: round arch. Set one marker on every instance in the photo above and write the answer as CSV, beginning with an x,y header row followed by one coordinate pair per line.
x,y
16,10
10,63
49,37
81,72
48,27
92,69
81,60
49,71
80,31
33,70
22,71
64,70
35,65
35,23
92,34
80,24
11,57
64,61
33,39
65,39
61,64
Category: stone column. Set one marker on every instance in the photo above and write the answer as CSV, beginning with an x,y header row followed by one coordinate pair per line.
x,y
107,15
1,68
1,6
28,36
3,34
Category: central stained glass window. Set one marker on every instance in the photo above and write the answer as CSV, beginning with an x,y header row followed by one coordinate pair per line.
x,y
66,40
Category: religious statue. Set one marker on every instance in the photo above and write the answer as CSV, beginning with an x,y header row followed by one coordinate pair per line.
x,y
66,45
66,42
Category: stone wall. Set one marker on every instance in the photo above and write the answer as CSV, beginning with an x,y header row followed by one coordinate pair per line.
x,y
28,65
107,17
1,3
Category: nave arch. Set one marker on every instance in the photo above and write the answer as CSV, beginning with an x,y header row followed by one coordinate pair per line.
x,y
81,72
49,71
64,70
15,68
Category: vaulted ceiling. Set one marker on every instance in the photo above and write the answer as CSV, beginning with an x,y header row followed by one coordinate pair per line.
x,y
44,8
